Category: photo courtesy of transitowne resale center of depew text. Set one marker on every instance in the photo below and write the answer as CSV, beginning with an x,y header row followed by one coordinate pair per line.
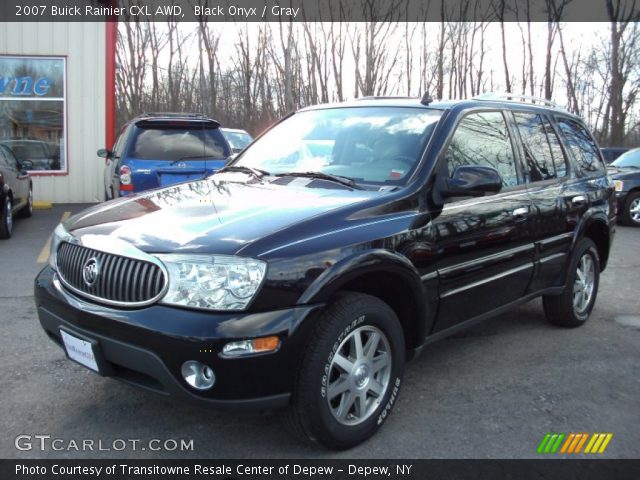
x,y
319,239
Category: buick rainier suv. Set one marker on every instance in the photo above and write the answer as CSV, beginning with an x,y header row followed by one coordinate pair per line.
x,y
337,246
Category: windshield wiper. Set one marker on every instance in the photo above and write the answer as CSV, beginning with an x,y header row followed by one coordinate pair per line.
x,y
346,181
256,172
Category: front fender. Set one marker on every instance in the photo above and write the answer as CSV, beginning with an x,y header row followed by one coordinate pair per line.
x,y
418,314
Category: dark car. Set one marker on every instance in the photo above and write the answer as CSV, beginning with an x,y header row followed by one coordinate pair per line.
x,y
16,190
161,149
39,154
611,153
290,278
625,172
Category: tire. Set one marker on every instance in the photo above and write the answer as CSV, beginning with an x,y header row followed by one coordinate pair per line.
x,y
6,218
27,210
343,420
631,213
573,306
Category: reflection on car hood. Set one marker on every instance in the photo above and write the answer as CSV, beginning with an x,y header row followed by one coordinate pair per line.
x,y
622,173
214,215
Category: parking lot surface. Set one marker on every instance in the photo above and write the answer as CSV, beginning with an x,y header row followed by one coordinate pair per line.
x,y
492,391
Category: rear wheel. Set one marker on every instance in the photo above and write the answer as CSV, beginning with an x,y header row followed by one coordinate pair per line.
x,y
6,218
631,212
573,306
350,376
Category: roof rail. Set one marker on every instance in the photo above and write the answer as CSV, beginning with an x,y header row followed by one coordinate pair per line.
x,y
382,97
514,97
173,114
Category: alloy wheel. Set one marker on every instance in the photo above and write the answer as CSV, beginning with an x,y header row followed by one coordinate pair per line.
x,y
9,214
634,210
359,375
584,283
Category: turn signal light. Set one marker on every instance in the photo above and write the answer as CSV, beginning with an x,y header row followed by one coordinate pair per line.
x,y
251,347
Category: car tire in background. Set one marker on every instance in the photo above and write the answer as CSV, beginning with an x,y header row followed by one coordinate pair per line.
x,y
27,210
349,378
573,306
631,213
6,218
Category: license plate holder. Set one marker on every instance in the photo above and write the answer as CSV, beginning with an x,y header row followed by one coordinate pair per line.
x,y
84,351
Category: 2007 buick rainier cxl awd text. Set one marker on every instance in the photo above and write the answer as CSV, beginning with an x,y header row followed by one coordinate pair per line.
x,y
340,243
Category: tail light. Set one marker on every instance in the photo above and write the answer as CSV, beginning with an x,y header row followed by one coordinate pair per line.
x,y
125,178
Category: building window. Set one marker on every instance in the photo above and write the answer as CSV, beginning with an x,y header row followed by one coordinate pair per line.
x,y
33,111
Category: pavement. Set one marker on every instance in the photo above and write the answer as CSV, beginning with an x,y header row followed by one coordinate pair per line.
x,y
493,391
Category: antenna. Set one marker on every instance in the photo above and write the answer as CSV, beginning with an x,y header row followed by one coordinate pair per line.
x,y
426,99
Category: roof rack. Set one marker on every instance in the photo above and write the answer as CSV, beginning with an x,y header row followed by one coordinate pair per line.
x,y
173,114
382,97
514,97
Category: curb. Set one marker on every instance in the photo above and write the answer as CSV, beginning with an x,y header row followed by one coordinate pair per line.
x,y
42,205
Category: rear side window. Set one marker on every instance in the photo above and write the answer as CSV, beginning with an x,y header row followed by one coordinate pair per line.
x,y
582,147
179,143
483,139
543,155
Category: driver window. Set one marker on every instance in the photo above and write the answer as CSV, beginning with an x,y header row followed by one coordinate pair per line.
x,y
482,139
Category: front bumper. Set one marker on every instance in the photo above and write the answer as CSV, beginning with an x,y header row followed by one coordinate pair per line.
x,y
147,346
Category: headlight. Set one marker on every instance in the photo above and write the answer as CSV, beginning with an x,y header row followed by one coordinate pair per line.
x,y
216,282
619,185
59,234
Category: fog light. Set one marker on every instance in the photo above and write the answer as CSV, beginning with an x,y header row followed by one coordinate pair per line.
x,y
198,375
247,347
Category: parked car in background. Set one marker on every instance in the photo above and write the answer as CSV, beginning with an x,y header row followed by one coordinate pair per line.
x,y
160,149
16,190
40,154
611,153
238,139
292,279
625,172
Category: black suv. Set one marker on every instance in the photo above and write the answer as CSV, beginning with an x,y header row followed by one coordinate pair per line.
x,y
334,248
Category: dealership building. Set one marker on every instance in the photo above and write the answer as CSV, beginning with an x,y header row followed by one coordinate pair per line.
x,y
57,104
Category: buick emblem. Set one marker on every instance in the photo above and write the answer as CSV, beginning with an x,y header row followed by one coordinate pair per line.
x,y
91,271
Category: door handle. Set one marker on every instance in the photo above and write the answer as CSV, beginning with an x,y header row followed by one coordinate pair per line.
x,y
578,201
520,212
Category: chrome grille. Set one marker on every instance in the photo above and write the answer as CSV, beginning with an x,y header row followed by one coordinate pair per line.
x,y
122,280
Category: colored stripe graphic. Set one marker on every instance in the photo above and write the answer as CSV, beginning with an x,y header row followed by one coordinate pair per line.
x,y
573,443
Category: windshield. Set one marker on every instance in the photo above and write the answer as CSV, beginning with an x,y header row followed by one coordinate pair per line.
x,y
629,159
28,149
379,145
179,143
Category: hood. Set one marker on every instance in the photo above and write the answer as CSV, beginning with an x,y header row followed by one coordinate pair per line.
x,y
220,214
622,173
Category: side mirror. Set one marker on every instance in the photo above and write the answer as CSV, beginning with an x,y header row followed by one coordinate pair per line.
x,y
104,153
25,165
230,158
472,181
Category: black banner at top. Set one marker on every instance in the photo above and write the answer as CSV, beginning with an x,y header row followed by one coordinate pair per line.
x,y
319,10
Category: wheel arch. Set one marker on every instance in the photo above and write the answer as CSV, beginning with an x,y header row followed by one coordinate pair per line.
x,y
386,275
596,228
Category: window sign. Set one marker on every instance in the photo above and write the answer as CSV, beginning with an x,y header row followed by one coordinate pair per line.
x,y
33,111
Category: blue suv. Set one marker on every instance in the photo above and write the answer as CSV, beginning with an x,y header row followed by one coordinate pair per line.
x,y
159,149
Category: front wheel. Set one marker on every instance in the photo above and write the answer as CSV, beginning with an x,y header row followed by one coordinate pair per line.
x,y
631,213
573,306
350,376
27,210
6,218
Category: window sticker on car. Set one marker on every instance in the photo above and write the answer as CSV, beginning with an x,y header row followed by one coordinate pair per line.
x,y
396,174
